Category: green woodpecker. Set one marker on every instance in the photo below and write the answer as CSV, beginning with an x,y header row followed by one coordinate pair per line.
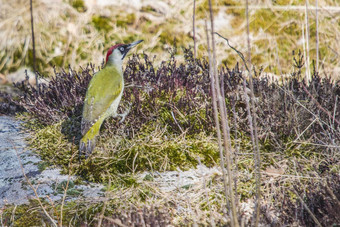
x,y
103,96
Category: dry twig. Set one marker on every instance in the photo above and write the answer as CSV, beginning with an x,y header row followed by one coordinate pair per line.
x,y
54,223
224,123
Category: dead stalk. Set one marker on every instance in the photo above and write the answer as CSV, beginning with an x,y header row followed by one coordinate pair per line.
x,y
319,106
237,146
224,123
253,130
115,221
67,184
217,124
13,213
317,36
193,27
257,157
307,209
33,42
212,222
102,213
308,110
307,44
34,189
254,135
248,35
334,111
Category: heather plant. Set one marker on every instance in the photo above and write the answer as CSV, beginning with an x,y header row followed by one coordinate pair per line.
x,y
177,97
170,123
60,98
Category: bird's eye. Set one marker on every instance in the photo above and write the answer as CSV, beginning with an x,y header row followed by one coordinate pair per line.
x,y
121,49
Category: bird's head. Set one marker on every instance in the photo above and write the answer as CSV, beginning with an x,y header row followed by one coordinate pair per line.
x,y
117,53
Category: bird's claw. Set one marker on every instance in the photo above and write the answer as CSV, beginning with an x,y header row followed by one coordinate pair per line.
x,y
123,115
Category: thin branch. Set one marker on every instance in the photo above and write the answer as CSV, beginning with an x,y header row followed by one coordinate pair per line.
x,y
193,27
254,134
307,42
67,185
217,124
225,125
319,105
248,34
237,146
173,117
335,106
34,189
238,52
306,207
304,48
304,107
33,42
317,36
212,222
115,221
102,213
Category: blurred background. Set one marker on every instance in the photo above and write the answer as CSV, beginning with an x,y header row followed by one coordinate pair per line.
x,y
76,32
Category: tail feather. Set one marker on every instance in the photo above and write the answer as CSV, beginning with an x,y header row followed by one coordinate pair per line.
x,y
87,146
88,142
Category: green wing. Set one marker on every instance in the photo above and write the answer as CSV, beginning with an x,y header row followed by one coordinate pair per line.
x,y
104,88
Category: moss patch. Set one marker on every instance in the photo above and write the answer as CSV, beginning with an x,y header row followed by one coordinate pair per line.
x,y
151,149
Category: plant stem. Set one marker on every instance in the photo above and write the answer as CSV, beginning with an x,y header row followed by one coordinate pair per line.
x,y
225,125
33,42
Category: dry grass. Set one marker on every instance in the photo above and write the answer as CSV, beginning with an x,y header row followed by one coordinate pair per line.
x,y
66,36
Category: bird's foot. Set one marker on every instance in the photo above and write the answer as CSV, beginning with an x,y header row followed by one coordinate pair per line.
x,y
123,115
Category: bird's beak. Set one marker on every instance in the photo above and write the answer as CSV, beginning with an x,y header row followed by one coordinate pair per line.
x,y
130,46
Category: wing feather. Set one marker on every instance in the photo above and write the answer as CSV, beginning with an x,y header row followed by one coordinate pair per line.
x,y
103,89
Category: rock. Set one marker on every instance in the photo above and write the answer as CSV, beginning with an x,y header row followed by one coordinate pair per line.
x,y
14,188
20,75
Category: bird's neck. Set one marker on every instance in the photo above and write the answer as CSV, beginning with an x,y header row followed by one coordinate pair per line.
x,y
117,66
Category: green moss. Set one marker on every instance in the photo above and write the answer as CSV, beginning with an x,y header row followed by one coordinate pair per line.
x,y
62,185
131,38
203,8
25,215
52,145
236,22
75,213
125,20
147,153
42,166
229,2
148,8
293,29
40,64
264,19
289,2
79,5
246,188
148,177
29,122
143,152
240,13
230,61
58,61
101,23
174,38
